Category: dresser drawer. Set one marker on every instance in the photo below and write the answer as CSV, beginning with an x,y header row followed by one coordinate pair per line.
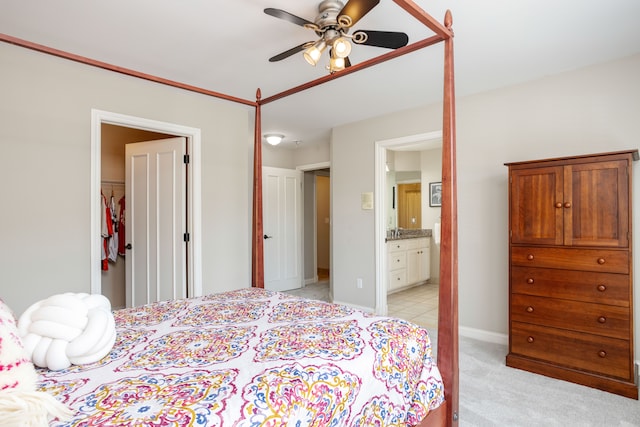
x,y
600,319
603,288
608,356
601,260
397,260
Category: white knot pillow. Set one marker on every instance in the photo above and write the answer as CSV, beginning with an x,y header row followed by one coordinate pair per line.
x,y
68,329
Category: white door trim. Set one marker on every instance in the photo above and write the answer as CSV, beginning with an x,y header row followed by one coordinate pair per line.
x,y
380,196
194,202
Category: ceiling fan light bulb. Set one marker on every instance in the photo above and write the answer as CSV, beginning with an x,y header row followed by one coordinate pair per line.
x,y
274,139
312,55
336,64
341,47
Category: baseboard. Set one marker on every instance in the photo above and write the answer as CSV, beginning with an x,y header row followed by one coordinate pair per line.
x,y
309,281
482,335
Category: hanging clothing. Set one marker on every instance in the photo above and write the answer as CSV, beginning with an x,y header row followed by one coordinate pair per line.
x,y
113,239
121,235
106,231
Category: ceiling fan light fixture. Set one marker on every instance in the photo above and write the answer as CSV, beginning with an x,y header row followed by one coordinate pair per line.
x,y
336,64
313,54
341,47
273,138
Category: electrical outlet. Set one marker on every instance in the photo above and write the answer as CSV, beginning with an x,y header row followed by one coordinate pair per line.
x,y
359,283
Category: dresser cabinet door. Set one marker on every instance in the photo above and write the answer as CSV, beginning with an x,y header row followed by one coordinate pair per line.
x,y
536,217
596,204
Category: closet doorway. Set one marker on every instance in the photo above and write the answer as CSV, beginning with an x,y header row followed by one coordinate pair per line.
x,y
135,279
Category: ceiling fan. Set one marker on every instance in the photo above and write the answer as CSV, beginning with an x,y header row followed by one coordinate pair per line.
x,y
332,26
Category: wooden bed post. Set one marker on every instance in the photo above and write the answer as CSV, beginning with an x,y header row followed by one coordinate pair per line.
x,y
448,304
257,248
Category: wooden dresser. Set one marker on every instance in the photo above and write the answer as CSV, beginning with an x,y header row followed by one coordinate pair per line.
x,y
570,270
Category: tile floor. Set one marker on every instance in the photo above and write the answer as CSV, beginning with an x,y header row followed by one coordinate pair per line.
x,y
418,304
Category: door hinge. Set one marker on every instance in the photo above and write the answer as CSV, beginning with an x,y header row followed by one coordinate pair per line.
x,y
187,237
186,158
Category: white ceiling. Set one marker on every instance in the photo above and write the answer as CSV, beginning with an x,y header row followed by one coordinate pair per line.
x,y
224,46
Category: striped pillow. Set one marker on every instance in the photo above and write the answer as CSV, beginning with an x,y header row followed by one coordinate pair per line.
x,y
20,403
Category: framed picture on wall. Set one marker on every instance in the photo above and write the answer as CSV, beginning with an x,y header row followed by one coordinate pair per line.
x,y
435,194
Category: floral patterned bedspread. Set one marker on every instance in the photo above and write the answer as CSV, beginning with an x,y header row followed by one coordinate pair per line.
x,y
253,357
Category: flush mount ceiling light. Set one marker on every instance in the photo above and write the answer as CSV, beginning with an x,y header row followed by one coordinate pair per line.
x,y
273,138
332,26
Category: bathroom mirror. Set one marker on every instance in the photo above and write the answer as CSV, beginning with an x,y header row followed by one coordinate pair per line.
x,y
409,199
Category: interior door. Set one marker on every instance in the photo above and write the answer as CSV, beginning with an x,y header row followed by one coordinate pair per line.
x,y
282,218
410,205
155,221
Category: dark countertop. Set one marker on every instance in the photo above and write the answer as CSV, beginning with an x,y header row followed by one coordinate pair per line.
x,y
409,234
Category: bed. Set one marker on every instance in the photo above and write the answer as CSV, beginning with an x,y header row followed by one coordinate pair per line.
x,y
253,357
140,337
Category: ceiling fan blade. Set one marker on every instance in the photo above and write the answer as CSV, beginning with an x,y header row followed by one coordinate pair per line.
x,y
279,13
388,39
288,53
354,10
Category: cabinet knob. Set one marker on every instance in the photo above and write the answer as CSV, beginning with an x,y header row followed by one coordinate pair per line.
x,y
567,205
529,309
602,354
602,288
601,261
602,319
530,281
558,205
530,339
530,257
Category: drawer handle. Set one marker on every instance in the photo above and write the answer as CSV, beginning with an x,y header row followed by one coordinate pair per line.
x,y
602,288
530,339
567,205
530,257
529,309
602,354
558,205
601,261
602,319
530,281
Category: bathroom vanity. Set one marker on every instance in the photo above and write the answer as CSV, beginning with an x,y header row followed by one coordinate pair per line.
x,y
408,258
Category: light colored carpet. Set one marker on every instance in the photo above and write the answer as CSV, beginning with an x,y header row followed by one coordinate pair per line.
x,y
492,394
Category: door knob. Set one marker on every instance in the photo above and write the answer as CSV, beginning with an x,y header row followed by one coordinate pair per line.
x,y
267,237
128,246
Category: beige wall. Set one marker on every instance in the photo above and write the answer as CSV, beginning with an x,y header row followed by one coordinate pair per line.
x,y
591,110
45,140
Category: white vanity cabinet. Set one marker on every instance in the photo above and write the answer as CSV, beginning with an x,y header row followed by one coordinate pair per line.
x,y
418,260
397,262
408,262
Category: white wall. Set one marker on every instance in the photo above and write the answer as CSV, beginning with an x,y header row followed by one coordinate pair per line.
x,y
591,110
45,137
